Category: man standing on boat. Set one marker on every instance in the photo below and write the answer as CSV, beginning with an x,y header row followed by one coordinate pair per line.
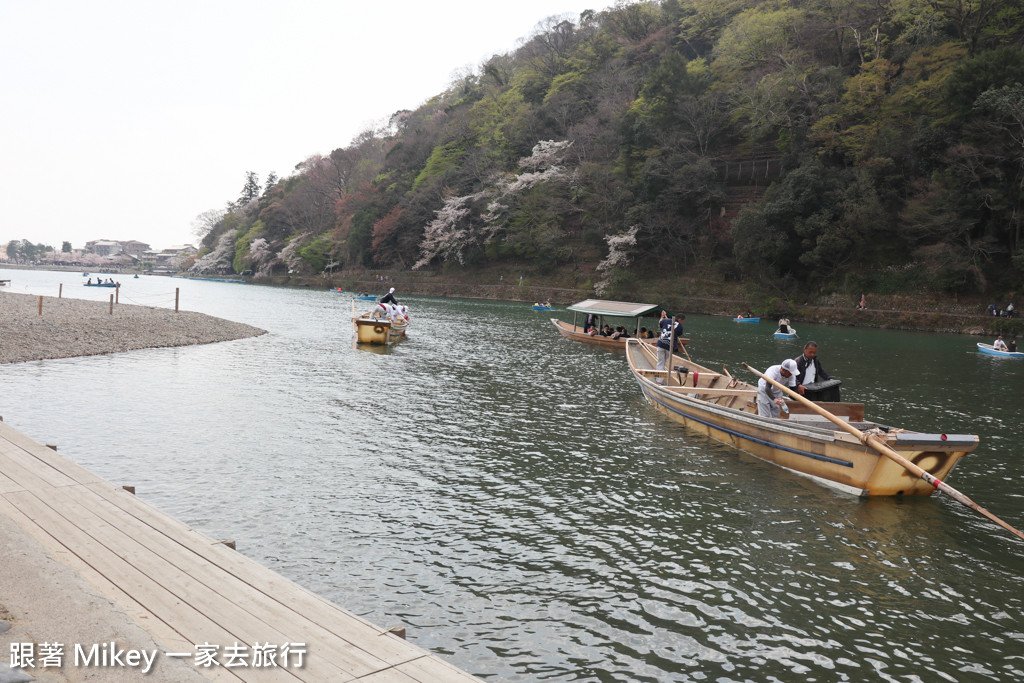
x,y
769,397
665,340
389,298
808,368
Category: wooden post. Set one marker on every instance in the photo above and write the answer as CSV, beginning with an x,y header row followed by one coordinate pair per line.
x,y
117,293
129,489
177,290
60,291
40,305
111,304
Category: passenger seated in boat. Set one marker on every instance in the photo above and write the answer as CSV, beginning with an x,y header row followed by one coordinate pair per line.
x,y
1012,346
645,334
89,282
607,331
769,397
619,333
784,326
594,331
999,344
588,324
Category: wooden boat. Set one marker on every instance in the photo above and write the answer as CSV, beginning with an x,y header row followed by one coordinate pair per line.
x,y
100,284
371,330
993,351
741,319
801,441
603,309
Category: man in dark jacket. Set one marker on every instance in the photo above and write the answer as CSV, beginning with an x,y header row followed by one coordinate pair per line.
x,y
809,368
389,298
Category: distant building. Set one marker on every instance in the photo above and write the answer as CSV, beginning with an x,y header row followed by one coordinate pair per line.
x,y
103,247
168,260
113,247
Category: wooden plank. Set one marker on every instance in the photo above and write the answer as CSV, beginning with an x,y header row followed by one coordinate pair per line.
x,y
162,632
6,483
350,627
245,593
168,606
28,470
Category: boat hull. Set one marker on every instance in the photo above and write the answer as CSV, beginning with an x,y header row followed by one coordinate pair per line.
x,y
785,335
801,442
379,331
992,351
746,320
576,333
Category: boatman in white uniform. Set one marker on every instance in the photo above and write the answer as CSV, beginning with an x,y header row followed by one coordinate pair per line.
x,y
769,397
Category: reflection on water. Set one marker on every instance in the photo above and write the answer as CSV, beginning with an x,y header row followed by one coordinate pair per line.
x,y
510,497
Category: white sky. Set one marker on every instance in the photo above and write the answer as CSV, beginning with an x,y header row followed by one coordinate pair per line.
x,y
125,119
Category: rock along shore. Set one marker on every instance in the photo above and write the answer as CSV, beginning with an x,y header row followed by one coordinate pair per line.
x,y
73,327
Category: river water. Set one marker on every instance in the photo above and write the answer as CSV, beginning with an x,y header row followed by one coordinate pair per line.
x,y
510,497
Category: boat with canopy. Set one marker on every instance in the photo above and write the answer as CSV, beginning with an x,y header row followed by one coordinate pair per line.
x,y
603,309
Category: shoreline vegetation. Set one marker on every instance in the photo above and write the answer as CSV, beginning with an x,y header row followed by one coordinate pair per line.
x,y
75,327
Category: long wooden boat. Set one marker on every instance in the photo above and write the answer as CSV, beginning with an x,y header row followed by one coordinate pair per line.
x,y
741,319
993,351
725,409
370,330
100,284
607,309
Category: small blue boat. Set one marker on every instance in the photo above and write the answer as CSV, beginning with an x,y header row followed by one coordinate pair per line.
x,y
738,319
785,335
993,351
365,298
542,307
99,284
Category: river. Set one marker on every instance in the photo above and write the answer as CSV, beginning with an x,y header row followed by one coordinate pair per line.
x,y
510,497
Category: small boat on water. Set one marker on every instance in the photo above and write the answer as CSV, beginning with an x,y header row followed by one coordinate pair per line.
x,y
785,330
376,327
100,284
365,297
601,309
542,307
724,408
338,289
741,319
993,351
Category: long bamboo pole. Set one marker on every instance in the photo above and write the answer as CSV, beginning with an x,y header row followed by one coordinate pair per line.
x,y
873,441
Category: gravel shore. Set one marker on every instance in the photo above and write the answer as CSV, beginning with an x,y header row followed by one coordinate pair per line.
x,y
72,327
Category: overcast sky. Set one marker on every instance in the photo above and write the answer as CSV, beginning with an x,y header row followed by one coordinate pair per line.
x,y
127,119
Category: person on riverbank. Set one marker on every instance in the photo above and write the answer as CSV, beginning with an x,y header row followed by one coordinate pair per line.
x,y
808,368
665,349
769,397
863,303
389,298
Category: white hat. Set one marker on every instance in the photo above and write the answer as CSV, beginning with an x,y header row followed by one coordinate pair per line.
x,y
789,365
391,291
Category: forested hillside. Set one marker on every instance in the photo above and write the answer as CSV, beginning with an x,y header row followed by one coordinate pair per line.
x,y
876,145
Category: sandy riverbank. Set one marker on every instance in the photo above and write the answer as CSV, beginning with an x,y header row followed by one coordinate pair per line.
x,y
72,327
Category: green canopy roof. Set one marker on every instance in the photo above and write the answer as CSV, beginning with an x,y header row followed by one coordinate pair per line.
x,y
623,309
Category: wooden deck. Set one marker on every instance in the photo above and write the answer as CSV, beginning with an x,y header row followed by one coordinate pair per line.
x,y
187,589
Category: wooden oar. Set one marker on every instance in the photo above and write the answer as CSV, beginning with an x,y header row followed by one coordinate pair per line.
x,y
875,443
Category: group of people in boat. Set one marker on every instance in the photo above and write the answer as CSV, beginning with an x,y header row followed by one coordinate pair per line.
x,y
797,373
1000,345
101,281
